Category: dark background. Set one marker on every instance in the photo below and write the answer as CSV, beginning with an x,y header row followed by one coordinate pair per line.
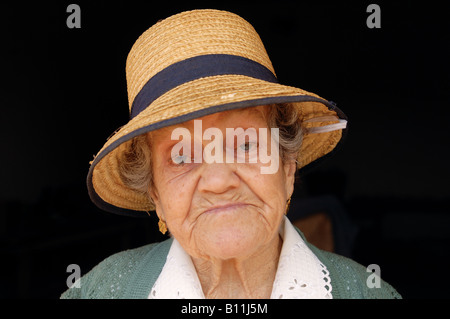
x,y
64,93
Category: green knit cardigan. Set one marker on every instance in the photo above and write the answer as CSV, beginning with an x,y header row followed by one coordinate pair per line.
x,y
131,274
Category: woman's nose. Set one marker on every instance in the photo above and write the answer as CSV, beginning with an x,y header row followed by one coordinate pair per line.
x,y
218,177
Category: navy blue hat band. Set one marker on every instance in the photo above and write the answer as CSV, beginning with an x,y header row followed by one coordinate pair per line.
x,y
196,68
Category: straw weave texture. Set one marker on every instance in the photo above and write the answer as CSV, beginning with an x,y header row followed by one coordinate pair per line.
x,y
189,34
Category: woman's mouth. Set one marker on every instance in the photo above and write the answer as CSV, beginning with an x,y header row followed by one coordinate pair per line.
x,y
224,208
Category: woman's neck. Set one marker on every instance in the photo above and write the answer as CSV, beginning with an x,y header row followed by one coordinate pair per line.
x,y
248,277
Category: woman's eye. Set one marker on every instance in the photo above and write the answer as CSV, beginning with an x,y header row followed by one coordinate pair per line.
x,y
247,146
180,159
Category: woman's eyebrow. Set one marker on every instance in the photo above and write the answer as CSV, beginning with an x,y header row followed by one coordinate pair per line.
x,y
254,110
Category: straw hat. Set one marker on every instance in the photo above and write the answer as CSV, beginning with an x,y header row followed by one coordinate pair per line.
x,y
190,65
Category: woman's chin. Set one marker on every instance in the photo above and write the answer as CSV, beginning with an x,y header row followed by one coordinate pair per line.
x,y
231,241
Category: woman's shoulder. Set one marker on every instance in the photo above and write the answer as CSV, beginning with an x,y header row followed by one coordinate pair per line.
x,y
115,275
351,280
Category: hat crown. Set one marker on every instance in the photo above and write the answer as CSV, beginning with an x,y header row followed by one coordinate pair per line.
x,y
187,35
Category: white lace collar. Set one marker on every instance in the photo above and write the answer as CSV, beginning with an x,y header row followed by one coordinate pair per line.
x,y
300,274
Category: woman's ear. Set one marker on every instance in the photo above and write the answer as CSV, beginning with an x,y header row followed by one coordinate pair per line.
x,y
290,167
155,198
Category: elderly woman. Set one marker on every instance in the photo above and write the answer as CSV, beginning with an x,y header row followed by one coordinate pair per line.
x,y
213,145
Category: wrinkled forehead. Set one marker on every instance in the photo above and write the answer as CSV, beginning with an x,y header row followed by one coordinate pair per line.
x,y
233,118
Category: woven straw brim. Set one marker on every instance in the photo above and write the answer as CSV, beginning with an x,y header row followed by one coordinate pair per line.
x,y
195,99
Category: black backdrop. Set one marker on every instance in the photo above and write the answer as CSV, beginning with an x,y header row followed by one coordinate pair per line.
x,y
64,93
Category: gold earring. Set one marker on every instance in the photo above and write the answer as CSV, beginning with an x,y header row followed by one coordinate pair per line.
x,y
162,226
287,206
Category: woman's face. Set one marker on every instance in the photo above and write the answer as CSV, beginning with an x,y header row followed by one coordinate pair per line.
x,y
218,209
